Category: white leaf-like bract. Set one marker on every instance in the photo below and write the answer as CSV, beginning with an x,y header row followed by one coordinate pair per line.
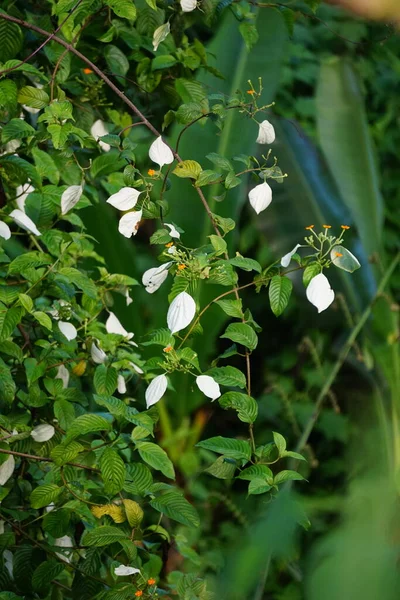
x,y
23,221
64,542
160,34
68,330
173,232
181,312
97,130
121,386
63,374
5,231
156,390
113,325
188,5
70,197
285,260
43,433
129,223
266,133
153,278
7,469
98,355
136,368
319,292
125,199
208,386
160,153
22,192
260,197
124,570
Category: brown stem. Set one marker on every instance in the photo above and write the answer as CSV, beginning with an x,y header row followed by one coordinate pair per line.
x,y
45,459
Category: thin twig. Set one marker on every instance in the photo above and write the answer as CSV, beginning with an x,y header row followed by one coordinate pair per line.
x,y
45,459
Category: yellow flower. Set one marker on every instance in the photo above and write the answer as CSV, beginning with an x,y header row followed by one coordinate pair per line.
x,y
169,245
338,254
250,92
151,581
345,226
151,172
310,227
326,226
87,71
168,349
181,267
138,593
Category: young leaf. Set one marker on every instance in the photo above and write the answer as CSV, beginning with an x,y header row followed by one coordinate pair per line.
x,y
280,442
280,289
241,334
287,476
156,457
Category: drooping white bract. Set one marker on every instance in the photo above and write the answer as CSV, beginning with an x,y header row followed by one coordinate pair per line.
x,y
181,312
121,385
260,197
22,192
319,292
68,330
125,199
266,133
98,129
160,34
188,5
160,153
7,469
70,197
98,355
129,223
285,260
113,325
153,278
128,299
156,390
64,542
5,231
24,221
124,570
136,368
63,374
173,232
208,386
43,433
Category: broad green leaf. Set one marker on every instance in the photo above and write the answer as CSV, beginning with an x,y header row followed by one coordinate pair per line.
x,y
65,413
80,280
42,318
232,448
247,264
160,337
20,170
258,486
246,406
207,177
256,472
241,334
176,507
64,453
138,479
103,536
187,169
45,573
88,423
116,60
287,476
218,243
233,308
280,442
222,468
112,471
10,39
105,380
26,302
9,319
123,8
229,376
16,129
44,495
156,457
56,522
310,272
280,289
7,384
45,165
33,97
29,260
105,164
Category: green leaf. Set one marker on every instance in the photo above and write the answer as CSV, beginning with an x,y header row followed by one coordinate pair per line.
x,y
11,349
59,134
26,302
33,97
45,165
105,164
241,334
64,412
10,39
20,170
222,468
80,280
249,33
7,384
9,319
156,457
237,449
28,260
160,337
280,289
280,442
176,507
139,479
165,61
105,380
187,169
256,472
43,319
310,272
218,243
344,259
258,486
290,454
56,522
112,471
116,60
123,8
88,423
64,453
16,129
287,476
45,573
229,376
103,536
246,406
207,177
191,91
233,308
247,264
231,181
44,494
8,94
220,161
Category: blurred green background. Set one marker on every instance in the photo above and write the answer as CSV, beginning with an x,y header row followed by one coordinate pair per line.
x,y
335,83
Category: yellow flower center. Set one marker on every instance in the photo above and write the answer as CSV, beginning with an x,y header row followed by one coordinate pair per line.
x,y
326,226
181,267
250,92
87,71
168,349
338,254
345,226
138,593
151,581
169,245
310,227
151,172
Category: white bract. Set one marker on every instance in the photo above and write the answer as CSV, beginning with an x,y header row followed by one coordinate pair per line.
x,y
285,260
160,153
63,374
128,299
125,199
97,130
129,223
160,34
43,433
124,570
156,390
22,192
173,232
181,312
136,368
113,325
188,5
208,386
5,231
68,330
319,292
153,278
64,542
70,197
121,386
260,197
98,355
266,133
7,469
24,221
